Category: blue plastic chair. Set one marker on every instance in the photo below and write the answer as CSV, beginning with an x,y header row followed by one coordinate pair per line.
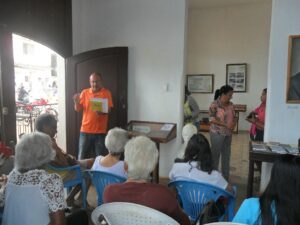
x,y
69,183
194,195
101,179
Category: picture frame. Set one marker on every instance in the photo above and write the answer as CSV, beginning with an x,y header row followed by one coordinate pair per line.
x,y
236,76
200,83
293,70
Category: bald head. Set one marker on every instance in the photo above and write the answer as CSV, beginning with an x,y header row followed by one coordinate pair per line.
x,y
96,82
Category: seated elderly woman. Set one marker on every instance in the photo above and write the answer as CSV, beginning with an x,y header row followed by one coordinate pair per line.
x,y
31,195
141,157
115,141
280,202
197,164
28,183
187,132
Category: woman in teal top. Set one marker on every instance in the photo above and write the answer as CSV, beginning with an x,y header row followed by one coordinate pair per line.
x,y
280,202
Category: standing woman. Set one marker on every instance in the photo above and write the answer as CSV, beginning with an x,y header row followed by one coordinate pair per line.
x,y
257,118
222,123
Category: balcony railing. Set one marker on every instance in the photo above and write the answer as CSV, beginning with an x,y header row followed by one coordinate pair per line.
x,y
27,113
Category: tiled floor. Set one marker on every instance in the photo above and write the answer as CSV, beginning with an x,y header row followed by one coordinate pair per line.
x,y
238,169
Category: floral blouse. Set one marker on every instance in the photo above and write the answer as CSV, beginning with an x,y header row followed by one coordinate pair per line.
x,y
223,114
31,196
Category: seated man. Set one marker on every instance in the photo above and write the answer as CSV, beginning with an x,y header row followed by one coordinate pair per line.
x,y
47,123
141,157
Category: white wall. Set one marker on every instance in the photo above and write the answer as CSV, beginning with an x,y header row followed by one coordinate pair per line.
x,y
232,34
154,31
282,119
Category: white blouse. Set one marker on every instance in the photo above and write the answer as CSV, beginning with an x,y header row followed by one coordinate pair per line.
x,y
29,197
187,171
117,169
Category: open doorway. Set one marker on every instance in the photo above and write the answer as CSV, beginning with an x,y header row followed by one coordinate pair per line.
x,y
39,85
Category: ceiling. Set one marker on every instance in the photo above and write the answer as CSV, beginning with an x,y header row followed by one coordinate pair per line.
x,y
219,3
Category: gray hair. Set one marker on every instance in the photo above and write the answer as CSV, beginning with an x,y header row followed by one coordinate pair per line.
x,y
45,119
188,131
33,151
141,157
115,140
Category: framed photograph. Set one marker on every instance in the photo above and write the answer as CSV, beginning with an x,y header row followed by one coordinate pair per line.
x,y
236,76
200,83
293,70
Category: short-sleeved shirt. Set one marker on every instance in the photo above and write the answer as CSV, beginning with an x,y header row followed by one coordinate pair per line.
x,y
223,114
117,169
30,197
189,171
92,122
248,212
260,111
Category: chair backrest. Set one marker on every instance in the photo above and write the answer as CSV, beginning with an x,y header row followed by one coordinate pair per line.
x,y
71,176
120,213
101,179
194,195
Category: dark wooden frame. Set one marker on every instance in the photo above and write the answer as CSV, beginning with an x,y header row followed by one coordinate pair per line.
x,y
291,58
195,76
244,71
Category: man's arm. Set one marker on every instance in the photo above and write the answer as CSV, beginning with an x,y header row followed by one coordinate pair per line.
x,y
77,106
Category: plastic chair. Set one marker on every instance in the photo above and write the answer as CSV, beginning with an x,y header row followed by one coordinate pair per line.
x,y
194,195
101,179
69,183
120,213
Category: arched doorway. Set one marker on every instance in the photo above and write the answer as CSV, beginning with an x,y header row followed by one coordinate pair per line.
x,y
39,84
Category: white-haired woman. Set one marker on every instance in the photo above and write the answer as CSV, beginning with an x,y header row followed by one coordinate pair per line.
x,y
187,132
29,184
31,195
115,141
141,157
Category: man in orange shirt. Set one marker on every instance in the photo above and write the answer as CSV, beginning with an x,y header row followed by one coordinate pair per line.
x,y
96,103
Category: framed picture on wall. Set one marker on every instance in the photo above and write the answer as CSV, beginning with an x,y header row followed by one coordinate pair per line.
x,y
236,76
293,70
200,83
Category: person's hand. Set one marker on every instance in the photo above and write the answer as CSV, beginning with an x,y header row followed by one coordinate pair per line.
x,y
251,120
100,113
76,98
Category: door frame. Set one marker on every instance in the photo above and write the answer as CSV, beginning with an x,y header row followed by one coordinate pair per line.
x,y
73,118
7,86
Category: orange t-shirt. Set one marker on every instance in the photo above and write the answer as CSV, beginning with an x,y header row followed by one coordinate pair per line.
x,y
91,121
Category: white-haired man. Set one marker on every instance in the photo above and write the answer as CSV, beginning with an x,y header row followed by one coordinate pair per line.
x,y
141,157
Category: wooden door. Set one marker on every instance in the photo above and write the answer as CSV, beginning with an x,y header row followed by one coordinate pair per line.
x,y
7,87
112,64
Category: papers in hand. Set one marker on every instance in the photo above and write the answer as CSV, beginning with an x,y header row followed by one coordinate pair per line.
x,y
99,104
